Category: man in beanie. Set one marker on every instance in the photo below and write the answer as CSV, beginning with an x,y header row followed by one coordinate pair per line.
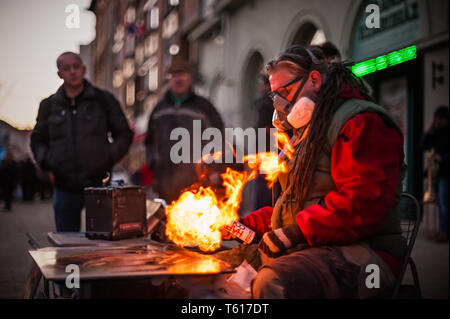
x,y
179,108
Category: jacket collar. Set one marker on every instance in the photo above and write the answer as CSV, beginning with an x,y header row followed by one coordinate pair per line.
x,y
168,97
87,93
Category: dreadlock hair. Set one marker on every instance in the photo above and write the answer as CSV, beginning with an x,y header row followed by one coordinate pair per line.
x,y
334,76
328,50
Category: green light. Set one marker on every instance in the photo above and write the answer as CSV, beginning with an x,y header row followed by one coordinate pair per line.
x,y
364,68
408,53
394,58
384,61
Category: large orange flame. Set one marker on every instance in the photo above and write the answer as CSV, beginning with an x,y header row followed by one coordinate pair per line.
x,y
197,216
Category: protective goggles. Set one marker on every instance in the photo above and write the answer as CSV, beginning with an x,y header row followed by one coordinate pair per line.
x,y
278,96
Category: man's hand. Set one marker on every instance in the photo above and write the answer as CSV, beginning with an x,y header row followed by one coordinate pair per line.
x,y
275,242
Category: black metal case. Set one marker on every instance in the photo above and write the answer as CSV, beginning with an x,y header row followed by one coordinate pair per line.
x,y
115,212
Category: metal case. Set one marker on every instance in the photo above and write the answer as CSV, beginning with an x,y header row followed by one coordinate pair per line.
x,y
115,212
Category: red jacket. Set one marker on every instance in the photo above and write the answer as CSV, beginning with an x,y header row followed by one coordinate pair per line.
x,y
365,166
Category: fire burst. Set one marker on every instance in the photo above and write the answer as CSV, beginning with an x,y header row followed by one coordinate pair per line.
x,y
197,216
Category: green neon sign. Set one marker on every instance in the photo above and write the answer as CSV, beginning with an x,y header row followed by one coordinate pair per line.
x,y
384,61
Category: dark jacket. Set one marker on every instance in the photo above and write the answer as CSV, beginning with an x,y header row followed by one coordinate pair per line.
x,y
70,138
167,116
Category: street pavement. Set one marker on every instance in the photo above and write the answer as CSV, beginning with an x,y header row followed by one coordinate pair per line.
x,y
37,218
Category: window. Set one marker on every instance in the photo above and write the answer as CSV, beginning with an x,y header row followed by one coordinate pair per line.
x,y
130,93
154,18
170,25
117,78
153,78
139,54
151,44
130,15
318,38
128,68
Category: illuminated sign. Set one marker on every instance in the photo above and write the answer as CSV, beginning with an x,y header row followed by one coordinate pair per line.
x,y
384,61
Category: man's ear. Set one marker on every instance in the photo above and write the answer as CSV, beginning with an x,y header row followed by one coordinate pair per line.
x,y
59,75
316,80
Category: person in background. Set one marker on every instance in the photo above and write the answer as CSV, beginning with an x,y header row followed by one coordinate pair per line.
x,y
328,50
437,138
80,133
8,177
179,107
28,179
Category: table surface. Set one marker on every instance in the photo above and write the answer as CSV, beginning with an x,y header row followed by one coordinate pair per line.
x,y
78,239
128,258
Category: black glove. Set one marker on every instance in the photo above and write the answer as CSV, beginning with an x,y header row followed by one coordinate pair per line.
x,y
275,242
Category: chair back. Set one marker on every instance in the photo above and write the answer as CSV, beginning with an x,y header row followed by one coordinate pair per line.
x,y
409,221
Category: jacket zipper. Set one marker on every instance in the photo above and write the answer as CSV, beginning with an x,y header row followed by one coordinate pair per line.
x,y
74,133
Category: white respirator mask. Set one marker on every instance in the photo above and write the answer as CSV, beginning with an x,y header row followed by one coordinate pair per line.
x,y
287,116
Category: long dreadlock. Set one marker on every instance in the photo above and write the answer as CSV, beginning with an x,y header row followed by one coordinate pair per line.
x,y
334,75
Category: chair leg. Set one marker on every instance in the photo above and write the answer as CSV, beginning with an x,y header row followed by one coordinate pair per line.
x,y
415,278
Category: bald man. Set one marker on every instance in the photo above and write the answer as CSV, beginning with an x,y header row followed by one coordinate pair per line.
x,y
71,141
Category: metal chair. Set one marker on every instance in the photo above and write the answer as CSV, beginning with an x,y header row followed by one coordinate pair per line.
x,y
410,222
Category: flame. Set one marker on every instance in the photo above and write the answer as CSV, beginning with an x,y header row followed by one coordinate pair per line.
x,y
197,216
267,163
284,144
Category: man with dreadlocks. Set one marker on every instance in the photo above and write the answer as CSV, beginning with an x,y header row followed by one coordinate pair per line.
x,y
337,212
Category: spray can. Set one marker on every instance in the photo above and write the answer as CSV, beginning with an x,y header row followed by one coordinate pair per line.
x,y
242,233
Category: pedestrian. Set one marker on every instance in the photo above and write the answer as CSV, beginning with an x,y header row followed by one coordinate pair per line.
x,y
28,179
178,109
337,212
80,133
437,139
8,177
